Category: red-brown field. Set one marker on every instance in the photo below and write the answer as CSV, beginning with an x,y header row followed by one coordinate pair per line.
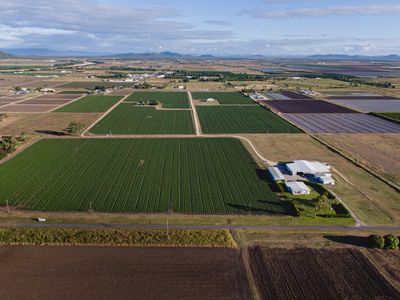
x,y
121,273
27,108
304,273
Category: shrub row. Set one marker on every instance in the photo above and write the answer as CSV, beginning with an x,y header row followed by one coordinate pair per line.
x,y
389,241
116,237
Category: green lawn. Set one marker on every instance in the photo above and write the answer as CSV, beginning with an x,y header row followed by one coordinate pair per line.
x,y
241,119
196,175
91,104
224,97
168,99
128,118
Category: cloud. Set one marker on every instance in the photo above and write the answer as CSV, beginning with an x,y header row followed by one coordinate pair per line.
x,y
217,22
339,10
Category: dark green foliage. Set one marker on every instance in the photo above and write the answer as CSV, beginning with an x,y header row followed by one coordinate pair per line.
x,y
395,116
116,237
196,175
377,241
168,99
242,119
91,104
391,242
128,118
74,127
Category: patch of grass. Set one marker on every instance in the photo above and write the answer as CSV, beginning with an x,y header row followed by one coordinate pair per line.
x,y
131,119
90,104
116,237
242,119
197,175
395,116
168,99
224,97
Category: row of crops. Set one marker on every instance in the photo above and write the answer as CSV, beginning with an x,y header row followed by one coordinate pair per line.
x,y
210,176
168,99
241,119
223,97
128,118
97,103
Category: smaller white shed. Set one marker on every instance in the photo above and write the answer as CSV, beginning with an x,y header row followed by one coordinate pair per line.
x,y
297,188
275,173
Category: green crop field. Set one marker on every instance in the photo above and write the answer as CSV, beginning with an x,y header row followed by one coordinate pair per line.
x,y
395,115
241,119
195,175
91,104
128,118
224,97
93,84
168,99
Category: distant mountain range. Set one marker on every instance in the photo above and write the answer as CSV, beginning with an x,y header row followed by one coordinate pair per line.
x,y
40,52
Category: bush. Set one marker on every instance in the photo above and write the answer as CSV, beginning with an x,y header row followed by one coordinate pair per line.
x,y
391,242
377,241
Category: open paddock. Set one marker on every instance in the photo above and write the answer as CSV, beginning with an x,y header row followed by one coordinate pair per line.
x,y
27,108
73,272
317,273
96,103
305,106
378,105
342,123
46,102
224,97
93,84
295,96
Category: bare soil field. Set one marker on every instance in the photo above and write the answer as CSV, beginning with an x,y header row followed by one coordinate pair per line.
x,y
315,274
373,201
43,123
388,262
306,106
342,123
58,97
17,80
378,151
377,105
27,108
72,272
45,101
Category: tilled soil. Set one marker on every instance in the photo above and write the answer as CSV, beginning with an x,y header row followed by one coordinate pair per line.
x,y
304,273
72,272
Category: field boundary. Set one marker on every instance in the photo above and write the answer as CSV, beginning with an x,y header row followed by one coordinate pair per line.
x,y
195,117
104,115
65,104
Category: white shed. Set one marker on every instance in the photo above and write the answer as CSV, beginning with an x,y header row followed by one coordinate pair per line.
x,y
275,173
297,188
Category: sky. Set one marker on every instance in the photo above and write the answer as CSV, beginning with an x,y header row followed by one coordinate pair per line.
x,y
217,27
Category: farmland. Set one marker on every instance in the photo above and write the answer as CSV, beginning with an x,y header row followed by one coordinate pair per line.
x,y
127,118
138,175
342,123
91,104
93,84
168,99
74,272
287,95
395,116
373,105
305,106
241,119
223,98
314,274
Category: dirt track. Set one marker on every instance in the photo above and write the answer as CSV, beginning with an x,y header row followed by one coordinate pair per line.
x,y
121,273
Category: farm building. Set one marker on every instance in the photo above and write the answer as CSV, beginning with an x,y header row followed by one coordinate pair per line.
x,y
304,167
209,100
297,188
275,173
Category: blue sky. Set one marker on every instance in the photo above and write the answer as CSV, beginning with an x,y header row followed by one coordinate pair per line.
x,y
269,27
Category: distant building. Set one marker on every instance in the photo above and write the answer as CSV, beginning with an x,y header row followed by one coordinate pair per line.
x,y
304,167
297,188
209,100
276,174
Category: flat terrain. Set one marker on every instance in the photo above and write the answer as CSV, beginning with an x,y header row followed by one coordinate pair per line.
x,y
28,108
128,118
208,176
305,106
342,123
287,95
125,273
44,123
315,274
91,104
373,105
378,151
373,201
388,261
168,99
223,97
93,84
395,116
241,119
